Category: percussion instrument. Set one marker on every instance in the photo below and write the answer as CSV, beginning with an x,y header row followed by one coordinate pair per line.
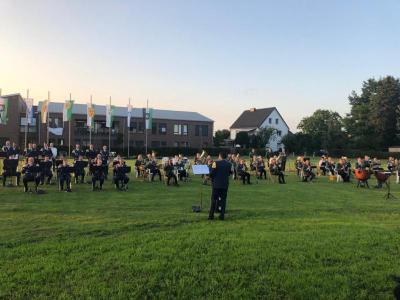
x,y
382,177
362,175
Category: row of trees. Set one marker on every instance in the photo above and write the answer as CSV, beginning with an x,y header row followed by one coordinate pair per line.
x,y
373,121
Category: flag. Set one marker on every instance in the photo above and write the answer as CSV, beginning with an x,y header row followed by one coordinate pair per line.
x,y
45,111
128,120
149,118
3,111
67,110
29,110
56,131
90,115
109,115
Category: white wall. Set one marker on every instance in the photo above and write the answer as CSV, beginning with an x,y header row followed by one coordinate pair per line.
x,y
275,141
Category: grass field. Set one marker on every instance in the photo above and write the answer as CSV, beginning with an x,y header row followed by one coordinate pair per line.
x,y
295,241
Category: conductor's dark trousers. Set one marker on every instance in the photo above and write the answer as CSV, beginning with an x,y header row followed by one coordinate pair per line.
x,y
218,197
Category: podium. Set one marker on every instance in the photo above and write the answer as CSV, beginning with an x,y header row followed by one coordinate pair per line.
x,y
200,170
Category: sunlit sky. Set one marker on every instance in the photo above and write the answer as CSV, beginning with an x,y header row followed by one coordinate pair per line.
x,y
215,57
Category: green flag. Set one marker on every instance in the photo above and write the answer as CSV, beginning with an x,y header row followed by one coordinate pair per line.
x,y
149,118
67,111
3,111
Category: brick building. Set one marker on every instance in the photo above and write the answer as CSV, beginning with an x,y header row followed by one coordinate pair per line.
x,y
170,128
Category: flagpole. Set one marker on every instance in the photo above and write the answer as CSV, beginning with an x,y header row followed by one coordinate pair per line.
x,y
39,127
90,128
48,115
145,122
109,130
129,129
26,117
69,128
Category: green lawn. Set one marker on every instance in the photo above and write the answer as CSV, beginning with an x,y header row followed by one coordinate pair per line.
x,y
295,241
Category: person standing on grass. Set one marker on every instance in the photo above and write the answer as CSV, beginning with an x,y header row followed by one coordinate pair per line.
x,y
220,171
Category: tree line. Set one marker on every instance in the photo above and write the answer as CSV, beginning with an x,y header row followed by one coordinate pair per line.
x,y
373,123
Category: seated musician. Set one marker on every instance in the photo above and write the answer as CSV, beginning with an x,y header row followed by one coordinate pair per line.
x,y
64,171
105,155
391,164
139,165
98,174
261,168
322,165
77,152
45,170
180,165
9,150
330,166
120,178
343,170
308,174
90,153
276,170
242,172
46,151
151,166
169,172
10,169
54,154
299,165
33,152
367,162
79,169
31,174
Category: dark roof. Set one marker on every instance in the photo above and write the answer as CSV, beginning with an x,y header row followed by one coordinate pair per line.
x,y
252,118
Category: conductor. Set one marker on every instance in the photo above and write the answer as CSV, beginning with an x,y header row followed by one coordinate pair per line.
x,y
220,171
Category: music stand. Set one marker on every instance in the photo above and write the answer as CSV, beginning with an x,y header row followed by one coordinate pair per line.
x,y
389,195
200,170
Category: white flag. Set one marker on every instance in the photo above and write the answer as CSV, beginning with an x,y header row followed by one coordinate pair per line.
x,y
90,115
128,120
29,109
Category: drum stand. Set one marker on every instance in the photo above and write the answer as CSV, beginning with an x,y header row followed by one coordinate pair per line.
x,y
389,195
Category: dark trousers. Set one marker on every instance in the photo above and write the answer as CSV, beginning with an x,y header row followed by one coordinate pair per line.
x,y
262,172
81,175
245,177
171,176
47,174
345,176
118,180
96,178
65,179
218,197
182,174
309,176
154,173
30,178
281,177
11,174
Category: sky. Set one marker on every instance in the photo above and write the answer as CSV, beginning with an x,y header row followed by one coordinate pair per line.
x,y
214,57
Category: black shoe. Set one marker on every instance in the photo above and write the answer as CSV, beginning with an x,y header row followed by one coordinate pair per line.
x,y
210,218
221,218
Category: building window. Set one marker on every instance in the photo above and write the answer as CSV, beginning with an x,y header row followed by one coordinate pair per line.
x,y
197,130
140,127
154,128
155,144
133,127
279,133
276,121
270,120
163,143
162,128
180,129
80,124
185,144
139,144
176,144
204,130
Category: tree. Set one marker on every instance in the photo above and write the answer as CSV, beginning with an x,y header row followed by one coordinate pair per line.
x,y
220,136
242,138
262,137
299,143
372,122
325,128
